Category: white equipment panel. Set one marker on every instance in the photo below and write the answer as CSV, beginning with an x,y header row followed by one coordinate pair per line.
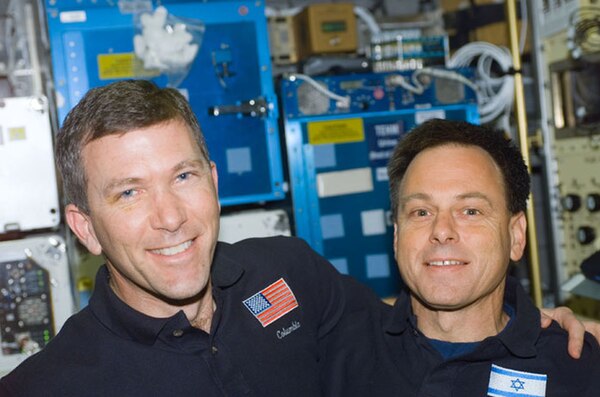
x,y
35,296
29,194
254,223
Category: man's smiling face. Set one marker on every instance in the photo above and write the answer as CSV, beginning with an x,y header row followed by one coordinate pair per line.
x,y
154,213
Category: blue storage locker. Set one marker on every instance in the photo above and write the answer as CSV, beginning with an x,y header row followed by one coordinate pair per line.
x,y
338,155
92,45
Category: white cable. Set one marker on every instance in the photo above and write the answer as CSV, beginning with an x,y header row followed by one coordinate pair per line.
x,y
366,16
283,12
361,12
494,94
342,101
445,74
416,87
397,79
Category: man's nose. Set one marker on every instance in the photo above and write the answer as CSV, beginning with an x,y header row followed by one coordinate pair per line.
x,y
168,211
444,229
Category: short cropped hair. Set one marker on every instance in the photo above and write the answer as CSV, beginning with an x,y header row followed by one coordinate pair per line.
x,y
116,109
437,132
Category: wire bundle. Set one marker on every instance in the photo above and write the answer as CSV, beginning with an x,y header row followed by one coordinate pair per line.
x,y
341,101
494,93
416,86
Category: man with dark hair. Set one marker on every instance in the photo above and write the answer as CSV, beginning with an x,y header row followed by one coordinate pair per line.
x,y
438,132
462,327
174,312
459,195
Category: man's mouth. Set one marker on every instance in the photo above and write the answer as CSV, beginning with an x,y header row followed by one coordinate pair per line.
x,y
445,263
169,251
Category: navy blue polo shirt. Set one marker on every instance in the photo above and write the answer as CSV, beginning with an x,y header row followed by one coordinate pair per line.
x,y
386,355
522,352
109,349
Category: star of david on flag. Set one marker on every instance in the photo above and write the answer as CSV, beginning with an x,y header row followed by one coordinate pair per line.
x,y
272,302
506,382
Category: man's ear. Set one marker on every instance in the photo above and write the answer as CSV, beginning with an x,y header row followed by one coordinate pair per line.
x,y
215,179
518,235
81,225
395,238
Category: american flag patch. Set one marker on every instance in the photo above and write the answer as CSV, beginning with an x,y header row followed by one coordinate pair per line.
x,y
272,302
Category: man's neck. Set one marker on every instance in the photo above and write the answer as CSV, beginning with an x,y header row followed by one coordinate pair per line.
x,y
202,318
199,310
473,323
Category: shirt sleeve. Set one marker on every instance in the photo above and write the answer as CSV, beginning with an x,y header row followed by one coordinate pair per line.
x,y
593,388
332,295
351,351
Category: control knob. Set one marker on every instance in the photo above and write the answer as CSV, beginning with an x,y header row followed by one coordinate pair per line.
x,y
592,202
586,235
571,202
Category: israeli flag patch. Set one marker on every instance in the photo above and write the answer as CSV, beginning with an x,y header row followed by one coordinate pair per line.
x,y
508,382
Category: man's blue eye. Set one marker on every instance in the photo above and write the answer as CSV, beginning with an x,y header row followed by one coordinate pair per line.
x,y
184,176
127,193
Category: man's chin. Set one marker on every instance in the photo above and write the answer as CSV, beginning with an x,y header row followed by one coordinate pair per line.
x,y
184,295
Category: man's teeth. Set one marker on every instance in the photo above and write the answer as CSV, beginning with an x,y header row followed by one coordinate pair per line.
x,y
445,263
173,250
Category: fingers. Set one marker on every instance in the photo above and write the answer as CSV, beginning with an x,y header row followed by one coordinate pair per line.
x,y
593,327
546,319
567,320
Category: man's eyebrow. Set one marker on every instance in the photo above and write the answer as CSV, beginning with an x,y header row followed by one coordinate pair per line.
x,y
475,195
415,196
425,197
116,184
189,164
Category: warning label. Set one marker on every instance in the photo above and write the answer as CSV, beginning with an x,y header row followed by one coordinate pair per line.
x,y
122,66
336,131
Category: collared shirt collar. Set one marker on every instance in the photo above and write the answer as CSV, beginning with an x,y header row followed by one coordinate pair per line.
x,y
519,338
131,324
225,271
401,315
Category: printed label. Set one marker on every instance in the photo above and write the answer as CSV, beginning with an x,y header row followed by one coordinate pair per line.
x,y
336,131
